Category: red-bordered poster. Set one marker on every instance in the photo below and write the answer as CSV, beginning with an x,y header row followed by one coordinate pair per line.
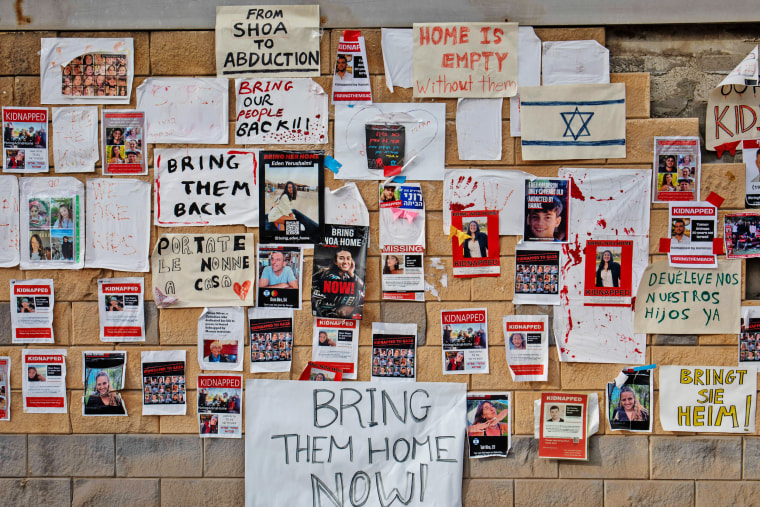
x,y
608,276
563,426
476,247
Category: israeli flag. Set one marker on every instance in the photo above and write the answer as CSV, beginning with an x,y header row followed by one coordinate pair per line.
x,y
573,121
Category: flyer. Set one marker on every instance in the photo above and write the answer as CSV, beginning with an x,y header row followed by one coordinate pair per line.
x,y
9,221
629,401
124,150
44,386
103,377
5,388
608,273
402,241
321,372
394,349
563,432
465,341
351,78
475,243
385,147
163,374
537,274
546,210
749,338
280,271
527,339
75,139
679,169
740,234
336,343
291,200
751,157
121,309
220,338
337,282
488,424
220,406
25,140
271,339
32,303
692,235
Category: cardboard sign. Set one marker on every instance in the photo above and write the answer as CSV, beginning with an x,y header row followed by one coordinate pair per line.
x,y
474,60
374,459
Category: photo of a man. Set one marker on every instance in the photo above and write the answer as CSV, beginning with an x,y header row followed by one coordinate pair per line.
x,y
554,414
216,356
277,275
679,236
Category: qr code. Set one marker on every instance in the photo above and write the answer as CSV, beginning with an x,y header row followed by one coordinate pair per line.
x,y
292,228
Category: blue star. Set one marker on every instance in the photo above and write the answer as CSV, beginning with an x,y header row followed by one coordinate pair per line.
x,y
569,119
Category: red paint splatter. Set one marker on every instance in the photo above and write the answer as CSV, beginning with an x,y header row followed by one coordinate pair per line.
x,y
629,231
602,223
455,206
637,351
575,191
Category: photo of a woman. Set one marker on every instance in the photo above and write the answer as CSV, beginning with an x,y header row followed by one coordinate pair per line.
x,y
339,304
629,408
282,210
517,342
608,271
486,422
33,376
477,245
64,217
392,266
667,183
103,400
36,248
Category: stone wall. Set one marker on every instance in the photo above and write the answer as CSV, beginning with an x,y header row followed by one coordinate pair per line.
x,y
67,459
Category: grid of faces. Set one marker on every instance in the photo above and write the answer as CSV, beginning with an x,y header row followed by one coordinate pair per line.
x,y
393,362
164,389
536,279
95,75
51,229
271,347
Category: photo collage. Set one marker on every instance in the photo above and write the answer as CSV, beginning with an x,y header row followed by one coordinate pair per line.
x,y
164,389
95,75
52,229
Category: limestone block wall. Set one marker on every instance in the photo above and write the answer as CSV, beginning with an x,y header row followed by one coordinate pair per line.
x,y
63,459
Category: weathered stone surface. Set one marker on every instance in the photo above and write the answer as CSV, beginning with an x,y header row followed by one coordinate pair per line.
x,y
182,53
726,180
179,326
727,493
440,284
85,323
488,492
73,285
133,492
71,455
48,492
16,50
696,457
674,339
159,456
611,457
408,312
6,91
151,323
558,492
182,492
750,458
522,462
650,493
636,93
223,457
13,455
134,423
6,334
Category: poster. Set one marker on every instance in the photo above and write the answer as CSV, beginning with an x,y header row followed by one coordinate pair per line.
x,y
199,270
86,70
321,372
527,339
271,339
488,424
475,60
44,385
121,307
124,150
280,111
609,271
291,196
565,122
267,40
394,349
103,378
185,110
118,224
280,275
32,303
475,245
424,139
402,241
205,186
546,210
75,139
740,235
9,221
537,274
220,338
25,140
340,264
692,233
5,388
749,338
385,147
689,301
220,406
630,401
563,426
708,399
679,169
163,374
351,77
336,343
52,220
432,413
465,341
494,189
751,157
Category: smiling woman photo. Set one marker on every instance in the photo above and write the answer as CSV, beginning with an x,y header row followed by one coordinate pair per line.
x,y
629,407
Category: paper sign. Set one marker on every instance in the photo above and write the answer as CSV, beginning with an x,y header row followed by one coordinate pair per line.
x,y
749,338
609,271
478,253
547,212
220,338
9,222
679,169
402,241
25,139
267,40
163,376
432,413
575,62
200,187
336,343
280,271
629,403
740,235
465,341
351,83
394,348
708,399
271,339
32,303
488,424
121,309
529,64
692,233
527,338
397,44
5,388
479,129
563,426
751,157
104,377
537,274
199,270
124,150
475,60
44,385
220,406
75,139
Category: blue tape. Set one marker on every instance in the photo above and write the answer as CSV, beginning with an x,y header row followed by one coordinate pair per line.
x,y
332,164
399,179
645,367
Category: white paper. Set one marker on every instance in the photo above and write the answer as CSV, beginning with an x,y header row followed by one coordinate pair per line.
x,y
336,342
118,224
220,406
185,109
692,229
121,307
9,221
479,129
527,346
592,422
75,139
32,304
575,62
161,371
746,73
425,139
345,206
220,338
351,84
267,326
538,277
397,45
44,384
529,72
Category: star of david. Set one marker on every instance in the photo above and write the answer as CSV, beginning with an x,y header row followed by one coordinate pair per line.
x,y
573,120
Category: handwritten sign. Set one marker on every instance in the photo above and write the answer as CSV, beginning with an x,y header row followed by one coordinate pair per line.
x,y
75,139
367,444
708,399
185,109
206,187
280,111
689,301
200,270
267,40
118,224
9,221
476,60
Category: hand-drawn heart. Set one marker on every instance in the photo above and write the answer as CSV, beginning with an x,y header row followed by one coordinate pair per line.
x,y
242,290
